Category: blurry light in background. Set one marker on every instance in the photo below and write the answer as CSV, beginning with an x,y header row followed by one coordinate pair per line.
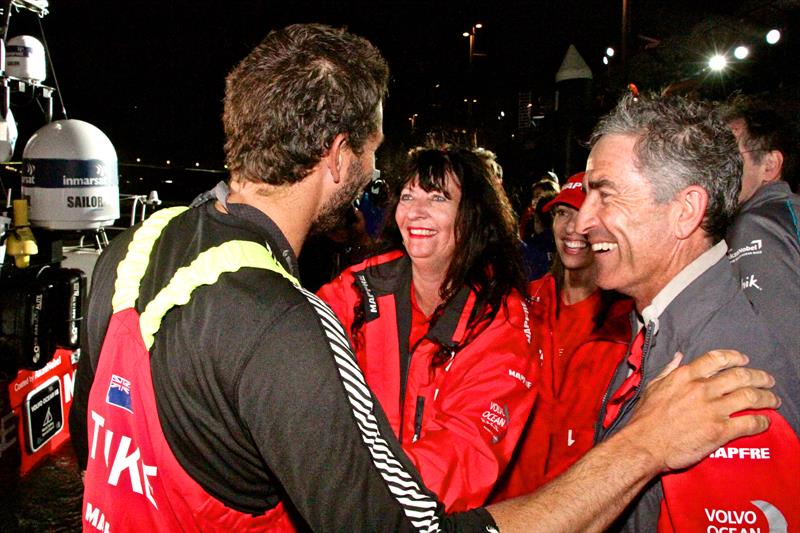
x,y
741,52
773,36
479,25
138,159
465,34
605,60
610,52
717,62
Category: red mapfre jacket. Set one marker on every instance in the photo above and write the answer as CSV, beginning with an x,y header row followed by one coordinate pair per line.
x,y
561,428
458,422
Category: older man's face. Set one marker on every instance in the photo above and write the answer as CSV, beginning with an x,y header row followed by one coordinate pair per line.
x,y
628,231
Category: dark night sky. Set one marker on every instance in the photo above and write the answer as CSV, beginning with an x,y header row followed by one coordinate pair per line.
x,y
150,73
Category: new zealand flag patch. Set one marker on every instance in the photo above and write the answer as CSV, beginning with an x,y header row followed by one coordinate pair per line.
x,y
119,393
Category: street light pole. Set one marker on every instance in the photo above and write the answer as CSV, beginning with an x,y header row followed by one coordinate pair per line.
x,y
471,35
625,31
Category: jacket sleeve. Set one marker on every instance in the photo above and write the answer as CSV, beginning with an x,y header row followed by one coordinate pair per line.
x,y
477,416
750,484
770,273
323,435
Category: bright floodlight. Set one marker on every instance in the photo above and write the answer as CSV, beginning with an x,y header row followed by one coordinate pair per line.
x,y
465,34
741,52
717,62
605,60
773,36
479,25
610,52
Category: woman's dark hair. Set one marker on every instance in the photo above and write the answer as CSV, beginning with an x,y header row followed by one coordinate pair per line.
x,y
487,255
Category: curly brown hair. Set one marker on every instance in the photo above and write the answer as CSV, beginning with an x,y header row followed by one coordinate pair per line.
x,y
293,94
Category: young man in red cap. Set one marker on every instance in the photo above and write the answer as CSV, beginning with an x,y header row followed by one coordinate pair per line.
x,y
580,334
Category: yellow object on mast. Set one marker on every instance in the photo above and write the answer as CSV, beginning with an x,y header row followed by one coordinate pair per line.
x,y
21,244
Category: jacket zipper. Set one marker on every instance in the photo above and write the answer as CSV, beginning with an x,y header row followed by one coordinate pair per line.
x,y
599,430
418,418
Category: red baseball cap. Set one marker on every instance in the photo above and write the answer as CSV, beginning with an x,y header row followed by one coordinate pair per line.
x,y
571,193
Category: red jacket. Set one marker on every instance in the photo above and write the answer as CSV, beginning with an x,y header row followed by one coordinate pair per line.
x,y
561,429
458,422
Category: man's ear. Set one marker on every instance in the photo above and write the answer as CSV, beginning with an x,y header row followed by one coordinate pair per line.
x,y
334,158
692,203
773,165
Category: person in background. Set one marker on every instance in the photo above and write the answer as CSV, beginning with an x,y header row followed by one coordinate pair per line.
x,y
580,335
539,249
324,255
489,159
546,185
536,253
535,228
764,240
372,205
440,324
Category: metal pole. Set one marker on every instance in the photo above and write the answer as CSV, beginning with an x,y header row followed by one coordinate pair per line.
x,y
624,51
471,44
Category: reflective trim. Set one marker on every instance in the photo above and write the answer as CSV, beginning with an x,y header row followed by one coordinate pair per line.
x,y
205,270
130,270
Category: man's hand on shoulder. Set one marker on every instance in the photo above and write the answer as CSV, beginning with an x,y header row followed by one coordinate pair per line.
x,y
685,414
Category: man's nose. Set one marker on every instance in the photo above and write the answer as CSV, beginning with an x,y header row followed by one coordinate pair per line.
x,y
585,219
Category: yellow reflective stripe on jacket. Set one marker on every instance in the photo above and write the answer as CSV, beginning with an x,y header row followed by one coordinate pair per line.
x,y
205,270
130,270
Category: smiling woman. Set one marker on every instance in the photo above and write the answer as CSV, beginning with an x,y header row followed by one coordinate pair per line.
x,y
580,335
440,324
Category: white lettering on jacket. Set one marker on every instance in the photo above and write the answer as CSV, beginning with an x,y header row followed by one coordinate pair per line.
x,y
730,517
526,326
741,453
750,281
96,518
138,471
754,248
519,376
